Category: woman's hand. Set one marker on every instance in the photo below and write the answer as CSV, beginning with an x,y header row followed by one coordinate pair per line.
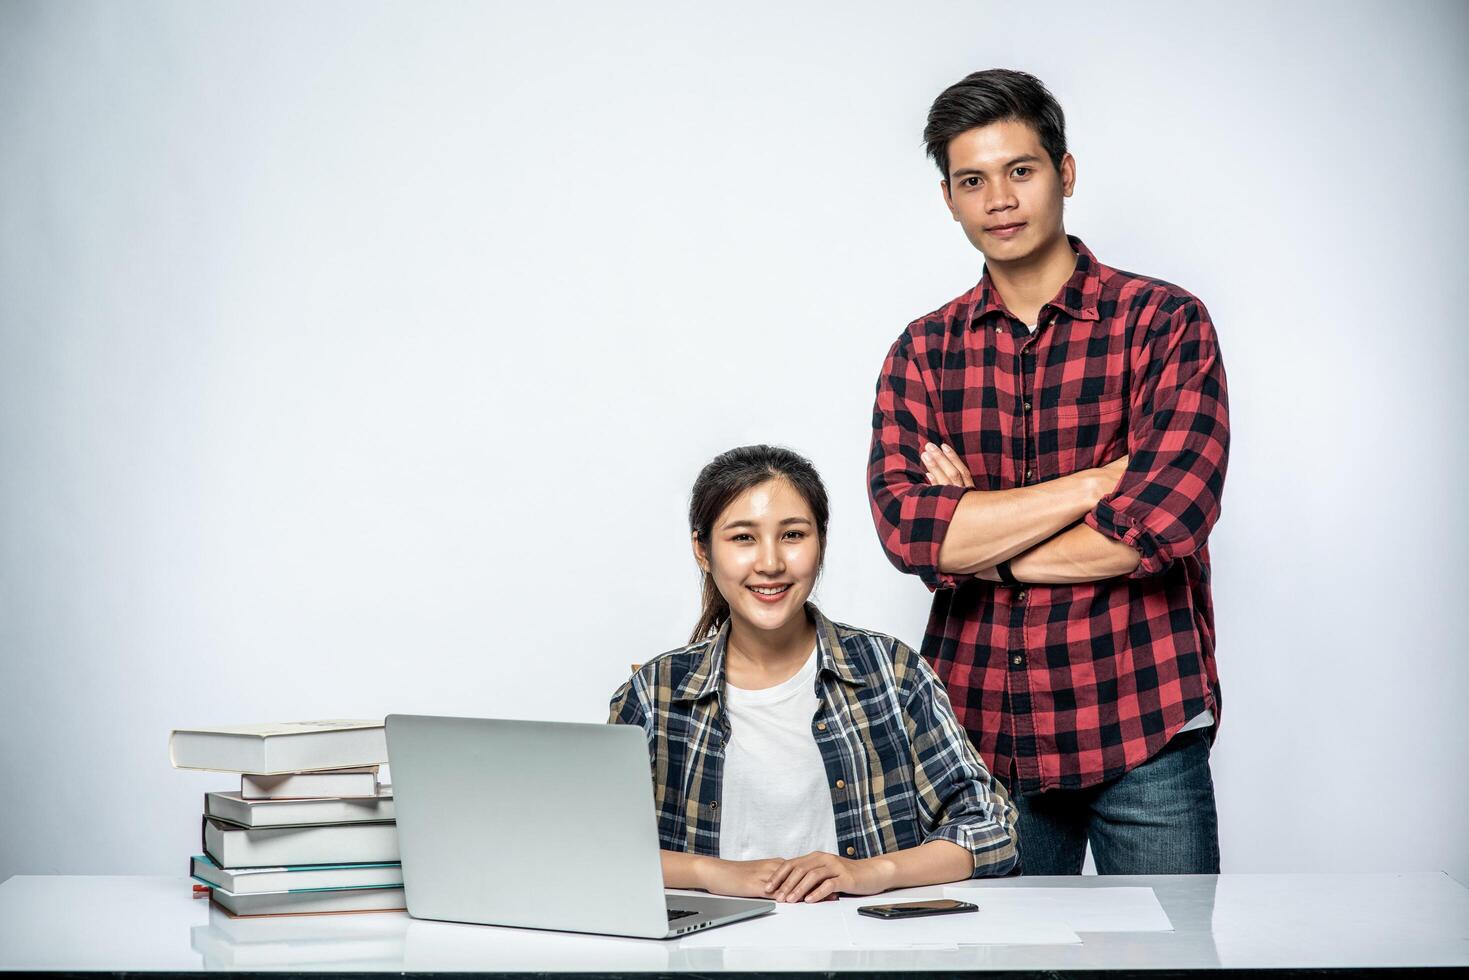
x,y
742,879
820,875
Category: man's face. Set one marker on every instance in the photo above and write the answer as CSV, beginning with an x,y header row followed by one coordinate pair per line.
x,y
1004,190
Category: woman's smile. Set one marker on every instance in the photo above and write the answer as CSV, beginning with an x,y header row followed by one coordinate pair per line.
x,y
770,593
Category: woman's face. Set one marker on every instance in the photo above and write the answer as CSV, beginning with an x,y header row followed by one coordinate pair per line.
x,y
764,553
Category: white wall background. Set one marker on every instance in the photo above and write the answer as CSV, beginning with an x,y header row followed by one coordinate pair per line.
x,y
359,358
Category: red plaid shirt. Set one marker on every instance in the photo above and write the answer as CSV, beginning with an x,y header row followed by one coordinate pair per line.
x,y
1064,685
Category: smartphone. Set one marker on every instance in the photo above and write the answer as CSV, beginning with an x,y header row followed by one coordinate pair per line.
x,y
908,910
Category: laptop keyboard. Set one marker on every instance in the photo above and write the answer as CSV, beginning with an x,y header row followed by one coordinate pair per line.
x,y
680,914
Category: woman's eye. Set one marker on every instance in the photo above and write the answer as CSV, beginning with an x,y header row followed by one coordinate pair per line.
x,y
742,537
795,535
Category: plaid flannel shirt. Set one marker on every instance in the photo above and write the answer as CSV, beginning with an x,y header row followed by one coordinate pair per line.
x,y
900,769
1064,685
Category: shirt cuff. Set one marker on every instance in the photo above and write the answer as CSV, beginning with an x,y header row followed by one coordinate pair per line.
x,y
1119,526
933,513
991,845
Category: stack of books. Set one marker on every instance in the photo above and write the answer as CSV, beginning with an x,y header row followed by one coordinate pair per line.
x,y
310,830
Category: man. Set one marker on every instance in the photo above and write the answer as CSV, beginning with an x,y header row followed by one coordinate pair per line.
x,y
1048,455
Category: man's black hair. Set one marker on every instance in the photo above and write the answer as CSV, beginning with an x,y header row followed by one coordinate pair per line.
x,y
992,96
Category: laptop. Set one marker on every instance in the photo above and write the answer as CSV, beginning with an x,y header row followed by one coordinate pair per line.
x,y
543,825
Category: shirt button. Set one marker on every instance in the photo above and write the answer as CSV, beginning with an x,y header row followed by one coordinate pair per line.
x,y
714,805
998,328
841,784
1029,474
821,726
1017,659
1020,596
851,850
1027,406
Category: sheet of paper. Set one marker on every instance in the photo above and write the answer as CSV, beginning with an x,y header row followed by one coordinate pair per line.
x,y
1082,909
836,925
1000,928
816,926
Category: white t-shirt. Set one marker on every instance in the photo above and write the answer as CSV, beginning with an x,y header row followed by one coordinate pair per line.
x,y
1203,719
774,801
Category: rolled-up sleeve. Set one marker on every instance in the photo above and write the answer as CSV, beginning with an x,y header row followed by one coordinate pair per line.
x,y
912,517
1178,446
959,801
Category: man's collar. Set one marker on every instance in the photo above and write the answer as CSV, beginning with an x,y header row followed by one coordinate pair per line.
x,y
1077,298
707,678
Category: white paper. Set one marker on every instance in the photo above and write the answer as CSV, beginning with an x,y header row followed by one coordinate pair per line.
x,y
1000,928
1082,909
837,925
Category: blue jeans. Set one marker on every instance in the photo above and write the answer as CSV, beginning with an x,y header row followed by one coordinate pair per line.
x,y
1155,819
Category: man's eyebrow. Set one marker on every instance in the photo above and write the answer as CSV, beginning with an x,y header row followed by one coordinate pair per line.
x,y
1029,158
788,520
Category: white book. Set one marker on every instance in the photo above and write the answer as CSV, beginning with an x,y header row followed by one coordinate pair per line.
x,y
285,747
296,785
296,878
296,903
348,843
298,813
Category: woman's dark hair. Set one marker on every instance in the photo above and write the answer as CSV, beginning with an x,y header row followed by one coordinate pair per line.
x,y
991,96
726,477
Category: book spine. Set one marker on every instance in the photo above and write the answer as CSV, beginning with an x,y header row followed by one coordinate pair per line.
x,y
204,842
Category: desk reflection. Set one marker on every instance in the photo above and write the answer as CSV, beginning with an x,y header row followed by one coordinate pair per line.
x,y
392,941
434,947
352,941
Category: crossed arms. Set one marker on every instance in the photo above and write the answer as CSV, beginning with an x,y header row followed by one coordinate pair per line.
x,y
1134,516
1032,526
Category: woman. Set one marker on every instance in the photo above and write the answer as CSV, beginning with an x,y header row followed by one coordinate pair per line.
x,y
795,758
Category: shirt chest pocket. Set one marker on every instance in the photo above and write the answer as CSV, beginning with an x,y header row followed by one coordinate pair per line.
x,y
1104,407
1083,430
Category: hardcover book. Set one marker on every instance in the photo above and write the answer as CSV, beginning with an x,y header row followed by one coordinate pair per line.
x,y
285,747
295,878
230,846
296,785
234,808
297,903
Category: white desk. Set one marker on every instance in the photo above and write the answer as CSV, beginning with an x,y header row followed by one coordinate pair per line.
x,y
1282,922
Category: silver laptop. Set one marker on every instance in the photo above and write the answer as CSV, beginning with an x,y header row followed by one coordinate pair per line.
x,y
537,824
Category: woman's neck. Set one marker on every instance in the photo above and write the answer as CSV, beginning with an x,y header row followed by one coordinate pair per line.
x,y
756,658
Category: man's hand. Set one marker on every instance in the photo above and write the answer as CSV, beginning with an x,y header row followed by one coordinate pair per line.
x,y
742,879
820,875
944,468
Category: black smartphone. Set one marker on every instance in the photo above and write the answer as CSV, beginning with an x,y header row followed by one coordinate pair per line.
x,y
909,910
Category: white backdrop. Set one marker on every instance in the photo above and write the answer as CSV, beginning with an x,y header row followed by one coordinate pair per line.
x,y
358,359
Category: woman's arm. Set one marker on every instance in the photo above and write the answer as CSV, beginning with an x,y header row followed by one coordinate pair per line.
x,y
958,800
746,879
819,875
681,870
